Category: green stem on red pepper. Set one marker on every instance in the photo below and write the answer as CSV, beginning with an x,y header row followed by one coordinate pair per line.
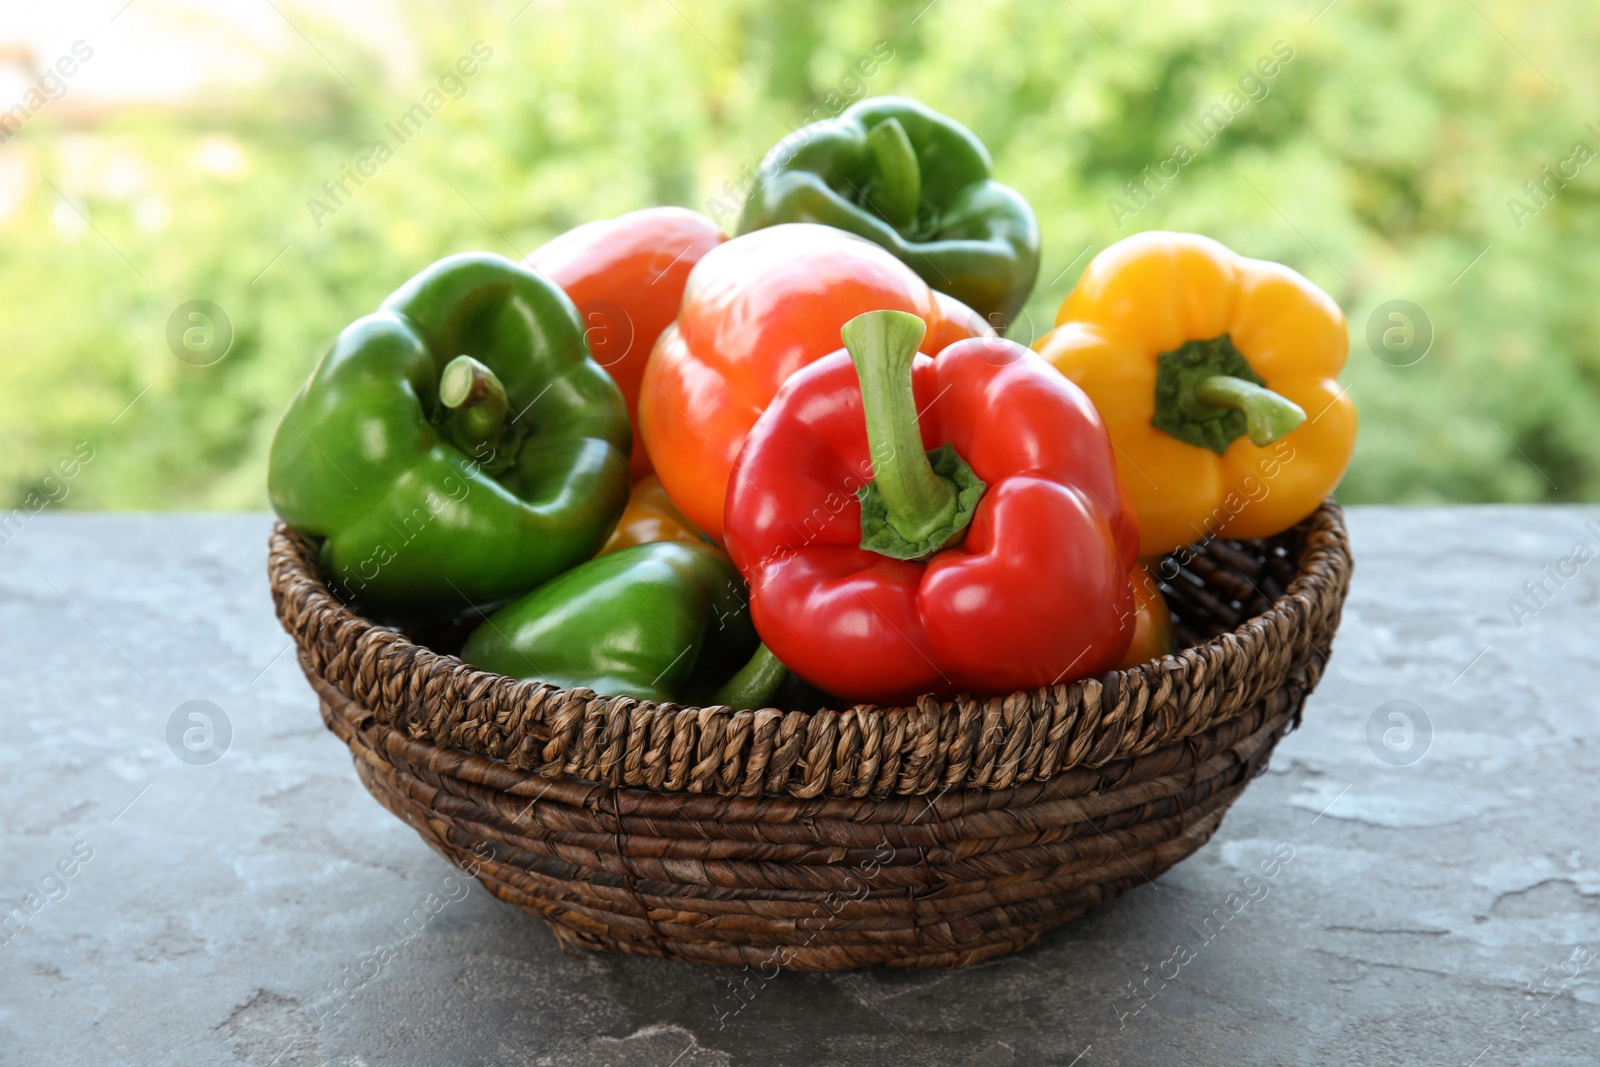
x,y
917,502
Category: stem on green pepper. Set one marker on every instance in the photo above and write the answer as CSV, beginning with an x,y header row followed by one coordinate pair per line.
x,y
476,405
1268,415
897,190
754,683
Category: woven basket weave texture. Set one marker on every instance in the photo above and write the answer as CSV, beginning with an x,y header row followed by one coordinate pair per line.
x,y
933,835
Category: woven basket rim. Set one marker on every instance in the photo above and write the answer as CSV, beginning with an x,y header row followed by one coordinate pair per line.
x,y
859,751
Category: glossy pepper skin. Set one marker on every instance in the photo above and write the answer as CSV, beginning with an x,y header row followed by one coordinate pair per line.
x,y
663,621
427,510
627,275
1154,302
756,310
1152,620
916,182
651,516
1034,590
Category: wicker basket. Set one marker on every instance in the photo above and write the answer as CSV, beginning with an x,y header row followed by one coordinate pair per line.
x,y
928,836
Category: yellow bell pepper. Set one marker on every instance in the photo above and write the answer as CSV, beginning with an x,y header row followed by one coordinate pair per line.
x,y
651,516
1214,374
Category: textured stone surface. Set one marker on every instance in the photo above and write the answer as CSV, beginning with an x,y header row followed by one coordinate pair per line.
x,y
1432,912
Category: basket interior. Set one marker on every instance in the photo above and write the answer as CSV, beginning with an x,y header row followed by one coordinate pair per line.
x,y
1210,587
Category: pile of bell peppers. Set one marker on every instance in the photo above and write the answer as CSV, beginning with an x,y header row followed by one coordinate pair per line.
x,y
805,465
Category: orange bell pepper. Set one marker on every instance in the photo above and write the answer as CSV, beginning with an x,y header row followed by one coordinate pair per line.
x,y
756,310
651,516
1152,620
627,275
1215,376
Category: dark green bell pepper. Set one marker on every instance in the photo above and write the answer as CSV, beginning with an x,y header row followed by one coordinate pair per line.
x,y
916,182
455,448
664,621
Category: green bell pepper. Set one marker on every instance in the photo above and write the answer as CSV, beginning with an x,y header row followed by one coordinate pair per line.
x,y
663,621
455,448
916,182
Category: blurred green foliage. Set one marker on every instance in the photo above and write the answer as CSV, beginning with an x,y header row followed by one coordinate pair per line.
x,y
1379,162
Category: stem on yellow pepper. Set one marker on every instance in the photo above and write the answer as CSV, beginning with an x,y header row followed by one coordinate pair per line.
x,y
1208,395
1268,416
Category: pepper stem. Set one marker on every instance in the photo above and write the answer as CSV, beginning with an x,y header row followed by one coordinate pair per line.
x,y
1268,415
882,345
754,683
917,502
897,189
475,403
1208,395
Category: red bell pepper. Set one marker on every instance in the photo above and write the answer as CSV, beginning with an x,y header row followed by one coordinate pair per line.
x,y
880,570
627,276
756,310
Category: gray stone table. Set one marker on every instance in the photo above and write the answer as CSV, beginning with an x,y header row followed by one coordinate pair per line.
x,y
1435,900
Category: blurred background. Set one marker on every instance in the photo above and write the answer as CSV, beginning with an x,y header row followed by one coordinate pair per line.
x,y
1433,166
